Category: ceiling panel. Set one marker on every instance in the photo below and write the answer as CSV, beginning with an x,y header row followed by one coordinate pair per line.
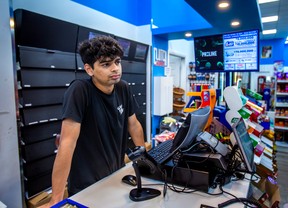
x,y
249,12
176,19
279,8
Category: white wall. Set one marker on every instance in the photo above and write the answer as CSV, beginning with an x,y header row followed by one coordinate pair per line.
x,y
10,183
185,49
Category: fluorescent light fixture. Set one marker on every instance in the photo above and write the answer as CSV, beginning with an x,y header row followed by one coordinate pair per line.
x,y
223,4
188,34
269,19
267,32
235,23
266,1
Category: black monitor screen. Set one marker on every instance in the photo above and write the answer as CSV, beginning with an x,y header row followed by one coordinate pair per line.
x,y
209,53
141,51
237,51
93,35
125,46
245,144
194,124
85,33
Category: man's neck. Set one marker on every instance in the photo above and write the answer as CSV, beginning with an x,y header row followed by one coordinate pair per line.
x,y
105,89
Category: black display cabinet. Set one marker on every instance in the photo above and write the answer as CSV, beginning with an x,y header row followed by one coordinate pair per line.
x,y
46,58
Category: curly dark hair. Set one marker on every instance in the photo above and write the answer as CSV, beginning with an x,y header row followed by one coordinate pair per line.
x,y
99,48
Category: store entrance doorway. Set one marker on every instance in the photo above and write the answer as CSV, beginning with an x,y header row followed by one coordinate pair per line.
x,y
176,65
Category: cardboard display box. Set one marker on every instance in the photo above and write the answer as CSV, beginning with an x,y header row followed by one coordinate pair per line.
x,y
269,196
42,198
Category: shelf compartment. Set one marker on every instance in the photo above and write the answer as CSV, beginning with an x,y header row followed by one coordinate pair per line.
x,y
46,77
281,117
36,133
45,58
44,96
281,104
282,81
36,151
280,128
31,116
39,167
282,93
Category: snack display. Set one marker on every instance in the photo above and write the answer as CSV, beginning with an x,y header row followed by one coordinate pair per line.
x,y
164,136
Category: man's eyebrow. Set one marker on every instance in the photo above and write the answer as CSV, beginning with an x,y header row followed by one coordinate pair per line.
x,y
105,61
109,60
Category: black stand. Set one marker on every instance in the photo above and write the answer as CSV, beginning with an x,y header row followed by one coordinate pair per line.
x,y
139,193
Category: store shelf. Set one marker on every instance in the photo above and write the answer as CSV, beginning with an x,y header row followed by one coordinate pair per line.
x,y
282,81
281,144
284,105
281,105
281,128
282,93
282,117
281,109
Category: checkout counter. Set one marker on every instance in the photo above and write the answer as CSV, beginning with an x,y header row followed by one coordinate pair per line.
x,y
111,192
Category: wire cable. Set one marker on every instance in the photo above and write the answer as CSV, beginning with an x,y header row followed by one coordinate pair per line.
x,y
244,201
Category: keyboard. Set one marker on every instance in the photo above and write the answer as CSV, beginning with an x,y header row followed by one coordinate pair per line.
x,y
161,153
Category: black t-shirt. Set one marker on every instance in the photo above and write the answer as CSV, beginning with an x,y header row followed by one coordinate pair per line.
x,y
103,136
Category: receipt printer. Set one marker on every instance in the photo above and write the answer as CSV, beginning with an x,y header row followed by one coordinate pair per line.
x,y
213,142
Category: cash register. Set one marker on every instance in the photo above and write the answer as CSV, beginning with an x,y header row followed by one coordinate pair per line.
x,y
196,159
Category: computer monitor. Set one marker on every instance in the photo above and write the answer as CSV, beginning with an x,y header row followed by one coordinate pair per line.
x,y
245,144
192,126
231,52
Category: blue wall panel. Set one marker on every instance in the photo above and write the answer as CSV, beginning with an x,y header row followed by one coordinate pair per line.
x,y
173,16
277,50
285,54
136,12
158,43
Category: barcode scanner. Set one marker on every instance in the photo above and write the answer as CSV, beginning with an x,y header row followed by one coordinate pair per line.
x,y
139,193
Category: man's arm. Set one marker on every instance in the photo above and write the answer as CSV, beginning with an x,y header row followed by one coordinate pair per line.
x,y
136,131
69,134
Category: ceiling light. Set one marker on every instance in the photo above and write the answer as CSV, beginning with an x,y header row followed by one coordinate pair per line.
x,y
269,19
266,1
267,32
188,34
223,5
12,23
235,23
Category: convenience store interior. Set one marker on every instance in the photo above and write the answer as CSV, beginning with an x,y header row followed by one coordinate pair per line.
x,y
158,26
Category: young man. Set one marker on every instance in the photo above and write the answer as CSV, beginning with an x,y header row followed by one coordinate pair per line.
x,y
98,114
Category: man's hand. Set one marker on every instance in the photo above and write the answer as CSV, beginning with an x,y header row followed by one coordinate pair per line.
x,y
47,205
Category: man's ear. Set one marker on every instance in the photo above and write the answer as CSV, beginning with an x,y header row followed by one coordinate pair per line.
x,y
88,69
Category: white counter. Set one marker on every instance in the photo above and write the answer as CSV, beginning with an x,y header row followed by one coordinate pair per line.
x,y
111,192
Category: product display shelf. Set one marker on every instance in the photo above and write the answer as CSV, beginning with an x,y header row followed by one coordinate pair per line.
x,y
281,112
200,81
263,141
178,101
